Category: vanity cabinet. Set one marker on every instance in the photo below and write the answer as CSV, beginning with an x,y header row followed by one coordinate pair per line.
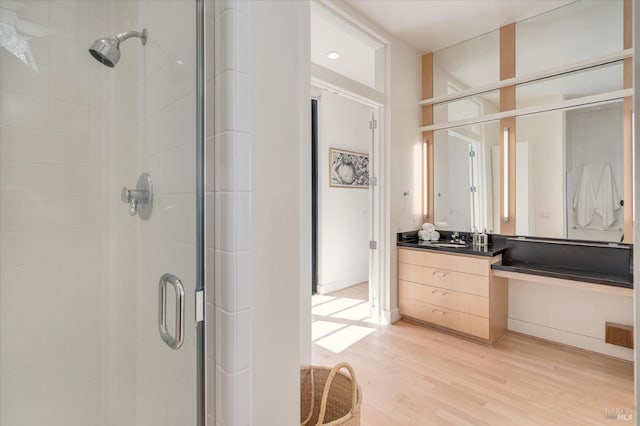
x,y
453,291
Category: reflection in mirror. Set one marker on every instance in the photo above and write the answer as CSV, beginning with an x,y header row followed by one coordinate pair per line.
x,y
595,152
472,63
569,173
572,33
465,108
592,81
466,183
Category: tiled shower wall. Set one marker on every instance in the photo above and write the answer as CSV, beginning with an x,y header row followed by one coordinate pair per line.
x,y
166,383
78,275
52,230
228,188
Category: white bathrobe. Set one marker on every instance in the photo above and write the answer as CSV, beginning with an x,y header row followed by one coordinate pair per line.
x,y
584,200
608,198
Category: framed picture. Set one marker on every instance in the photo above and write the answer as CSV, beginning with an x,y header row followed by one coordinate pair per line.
x,y
348,169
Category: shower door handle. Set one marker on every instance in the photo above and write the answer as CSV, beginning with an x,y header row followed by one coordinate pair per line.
x,y
174,342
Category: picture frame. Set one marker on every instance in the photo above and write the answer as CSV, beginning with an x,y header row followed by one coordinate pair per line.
x,y
348,169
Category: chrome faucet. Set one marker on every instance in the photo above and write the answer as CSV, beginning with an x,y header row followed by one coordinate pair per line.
x,y
133,197
140,200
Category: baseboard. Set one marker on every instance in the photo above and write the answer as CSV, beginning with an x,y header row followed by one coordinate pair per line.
x,y
392,316
567,338
388,317
335,286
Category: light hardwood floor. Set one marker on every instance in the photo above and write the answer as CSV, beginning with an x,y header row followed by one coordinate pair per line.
x,y
413,375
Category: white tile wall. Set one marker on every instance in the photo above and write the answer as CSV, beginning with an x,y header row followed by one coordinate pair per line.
x,y
52,225
72,276
229,211
167,240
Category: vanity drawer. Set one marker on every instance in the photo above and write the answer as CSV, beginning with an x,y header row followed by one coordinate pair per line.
x,y
454,320
477,265
448,299
443,278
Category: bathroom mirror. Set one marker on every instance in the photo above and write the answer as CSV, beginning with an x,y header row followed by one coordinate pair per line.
x,y
472,63
466,177
576,32
553,148
569,173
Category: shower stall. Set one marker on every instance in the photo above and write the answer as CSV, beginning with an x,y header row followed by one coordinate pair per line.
x,y
101,212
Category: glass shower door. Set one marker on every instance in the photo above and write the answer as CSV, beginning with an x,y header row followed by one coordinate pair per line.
x,y
93,263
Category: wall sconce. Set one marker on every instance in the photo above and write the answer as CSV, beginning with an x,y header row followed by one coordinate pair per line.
x,y
425,178
505,174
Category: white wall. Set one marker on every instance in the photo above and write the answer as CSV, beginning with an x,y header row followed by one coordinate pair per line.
x,y
545,134
403,160
229,199
280,110
343,213
566,315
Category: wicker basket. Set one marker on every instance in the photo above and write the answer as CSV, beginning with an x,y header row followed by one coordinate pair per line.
x,y
329,397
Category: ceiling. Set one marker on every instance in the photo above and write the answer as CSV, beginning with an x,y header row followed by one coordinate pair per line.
x,y
431,25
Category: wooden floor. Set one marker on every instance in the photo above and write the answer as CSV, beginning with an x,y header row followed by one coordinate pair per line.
x,y
413,375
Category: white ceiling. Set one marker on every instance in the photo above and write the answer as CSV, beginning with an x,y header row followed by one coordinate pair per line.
x,y
431,25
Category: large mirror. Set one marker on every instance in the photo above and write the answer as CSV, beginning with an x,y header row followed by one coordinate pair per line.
x,y
561,154
579,31
467,177
472,63
570,173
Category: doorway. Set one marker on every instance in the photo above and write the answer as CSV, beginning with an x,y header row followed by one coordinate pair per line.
x,y
343,130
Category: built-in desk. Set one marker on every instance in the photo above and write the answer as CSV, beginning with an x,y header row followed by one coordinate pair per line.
x,y
535,275
606,264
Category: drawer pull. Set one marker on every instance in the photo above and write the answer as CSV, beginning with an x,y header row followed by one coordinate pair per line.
x,y
440,292
439,274
438,311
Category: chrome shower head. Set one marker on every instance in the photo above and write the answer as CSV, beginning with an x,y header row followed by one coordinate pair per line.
x,y
107,50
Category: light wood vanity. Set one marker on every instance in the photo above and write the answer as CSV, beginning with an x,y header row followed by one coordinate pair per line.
x,y
455,292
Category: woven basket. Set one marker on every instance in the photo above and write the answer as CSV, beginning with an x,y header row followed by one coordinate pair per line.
x,y
329,397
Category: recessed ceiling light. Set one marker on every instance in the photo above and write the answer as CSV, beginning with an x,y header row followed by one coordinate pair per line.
x,y
333,55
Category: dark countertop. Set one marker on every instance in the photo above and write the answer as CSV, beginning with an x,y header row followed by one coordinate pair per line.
x,y
576,260
489,251
567,274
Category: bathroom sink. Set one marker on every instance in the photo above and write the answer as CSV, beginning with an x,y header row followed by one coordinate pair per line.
x,y
444,244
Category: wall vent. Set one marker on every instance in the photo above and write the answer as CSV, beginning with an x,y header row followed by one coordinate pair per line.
x,y
619,334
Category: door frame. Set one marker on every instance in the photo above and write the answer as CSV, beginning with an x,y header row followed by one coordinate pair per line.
x,y
377,289
201,90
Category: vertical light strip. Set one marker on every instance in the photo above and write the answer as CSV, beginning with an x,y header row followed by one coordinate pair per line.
x,y
633,163
425,178
505,174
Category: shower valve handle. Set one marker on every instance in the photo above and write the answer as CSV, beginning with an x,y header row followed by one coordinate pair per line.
x,y
140,200
132,197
